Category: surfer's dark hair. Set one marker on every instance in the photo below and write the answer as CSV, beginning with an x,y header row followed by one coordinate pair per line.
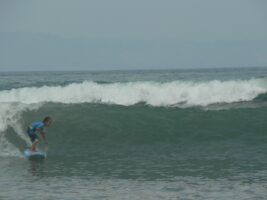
x,y
47,118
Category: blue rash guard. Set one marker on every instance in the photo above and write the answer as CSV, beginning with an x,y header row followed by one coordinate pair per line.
x,y
32,130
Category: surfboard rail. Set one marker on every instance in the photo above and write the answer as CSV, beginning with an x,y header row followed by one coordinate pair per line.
x,y
34,154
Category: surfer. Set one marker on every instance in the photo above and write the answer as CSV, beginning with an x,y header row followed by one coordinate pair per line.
x,y
38,127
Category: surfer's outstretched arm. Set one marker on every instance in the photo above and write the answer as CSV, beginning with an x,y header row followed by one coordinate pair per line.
x,y
44,137
42,133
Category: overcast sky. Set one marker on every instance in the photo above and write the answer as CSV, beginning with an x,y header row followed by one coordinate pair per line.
x,y
132,34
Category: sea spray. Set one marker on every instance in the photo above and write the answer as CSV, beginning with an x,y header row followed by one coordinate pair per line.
x,y
10,117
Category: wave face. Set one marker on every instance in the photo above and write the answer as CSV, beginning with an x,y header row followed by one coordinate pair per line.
x,y
122,137
80,128
186,93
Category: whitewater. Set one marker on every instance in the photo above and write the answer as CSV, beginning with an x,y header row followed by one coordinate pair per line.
x,y
151,93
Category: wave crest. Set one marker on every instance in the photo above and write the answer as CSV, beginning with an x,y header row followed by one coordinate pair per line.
x,y
188,93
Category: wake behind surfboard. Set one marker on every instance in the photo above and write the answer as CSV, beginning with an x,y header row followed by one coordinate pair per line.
x,y
34,155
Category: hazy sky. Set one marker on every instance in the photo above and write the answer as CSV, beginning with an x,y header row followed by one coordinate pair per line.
x,y
132,34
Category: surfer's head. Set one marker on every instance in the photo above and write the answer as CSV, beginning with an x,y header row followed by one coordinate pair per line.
x,y
47,121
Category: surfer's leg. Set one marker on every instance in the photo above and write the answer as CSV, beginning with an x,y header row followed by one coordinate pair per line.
x,y
34,145
34,140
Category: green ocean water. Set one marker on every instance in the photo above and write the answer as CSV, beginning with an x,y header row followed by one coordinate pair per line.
x,y
137,135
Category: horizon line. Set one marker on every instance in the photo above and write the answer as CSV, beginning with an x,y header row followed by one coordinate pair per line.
x,y
145,69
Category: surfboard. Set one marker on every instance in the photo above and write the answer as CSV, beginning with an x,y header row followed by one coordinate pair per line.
x,y
31,155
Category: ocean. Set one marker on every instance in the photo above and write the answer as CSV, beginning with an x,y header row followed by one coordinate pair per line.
x,y
141,134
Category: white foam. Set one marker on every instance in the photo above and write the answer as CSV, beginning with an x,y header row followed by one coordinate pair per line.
x,y
10,115
152,93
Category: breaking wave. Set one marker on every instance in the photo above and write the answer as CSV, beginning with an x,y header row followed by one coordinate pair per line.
x,y
187,93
